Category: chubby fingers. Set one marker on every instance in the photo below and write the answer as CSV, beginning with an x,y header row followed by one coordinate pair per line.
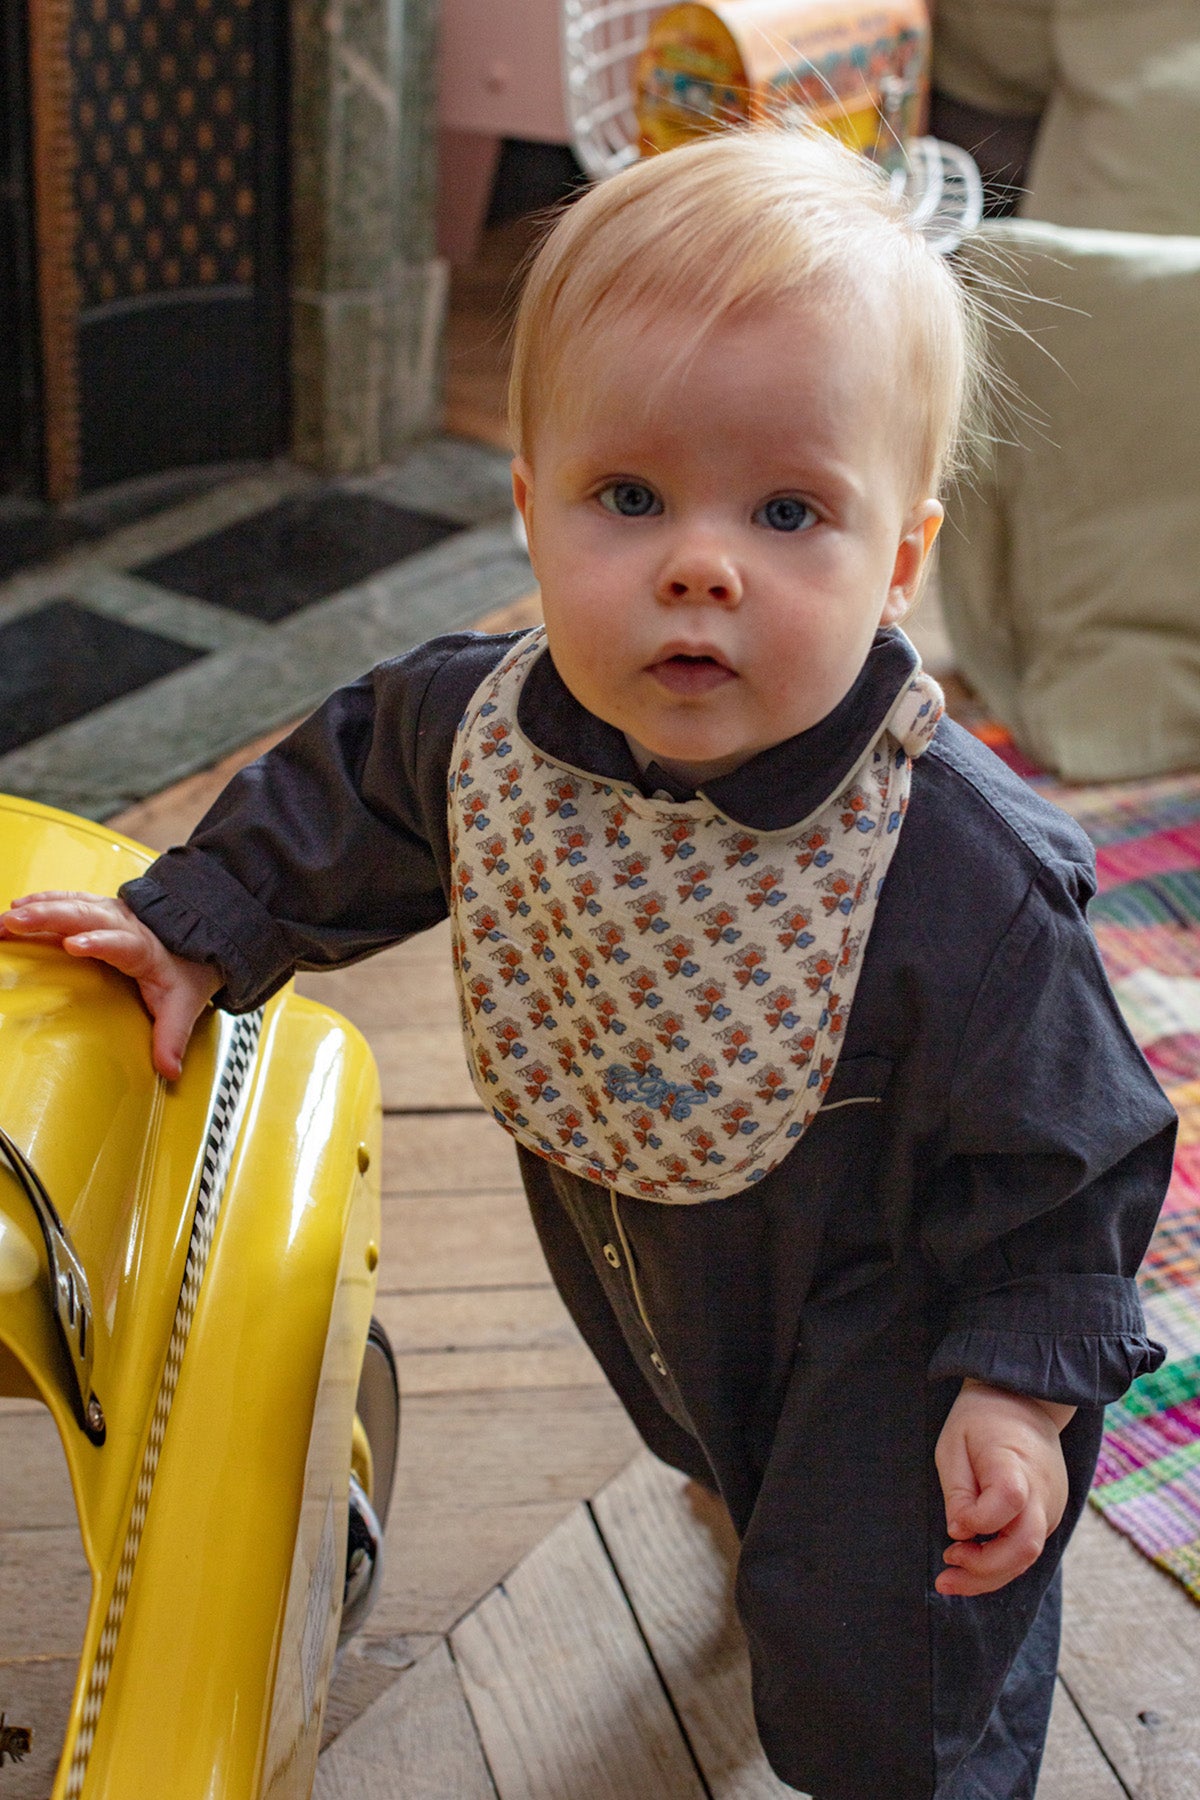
x,y
58,916
999,1525
175,1008
982,1568
992,1511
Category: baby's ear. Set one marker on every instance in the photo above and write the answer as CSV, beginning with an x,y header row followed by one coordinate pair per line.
x,y
912,554
522,483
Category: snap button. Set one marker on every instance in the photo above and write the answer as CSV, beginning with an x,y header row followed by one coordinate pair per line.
x,y
658,1362
612,1255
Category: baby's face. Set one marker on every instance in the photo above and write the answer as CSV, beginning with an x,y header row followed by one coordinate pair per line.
x,y
713,566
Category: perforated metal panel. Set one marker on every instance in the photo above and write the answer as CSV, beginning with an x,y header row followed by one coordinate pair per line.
x,y
159,150
163,111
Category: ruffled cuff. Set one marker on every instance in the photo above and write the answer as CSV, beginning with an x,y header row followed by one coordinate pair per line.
x,y
1079,1340
216,923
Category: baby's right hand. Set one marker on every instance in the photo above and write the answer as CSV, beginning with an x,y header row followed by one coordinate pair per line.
x,y
174,990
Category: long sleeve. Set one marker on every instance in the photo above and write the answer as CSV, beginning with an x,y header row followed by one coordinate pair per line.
x,y
333,844
1054,1162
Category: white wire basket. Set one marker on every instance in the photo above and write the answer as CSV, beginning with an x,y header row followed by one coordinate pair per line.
x,y
602,40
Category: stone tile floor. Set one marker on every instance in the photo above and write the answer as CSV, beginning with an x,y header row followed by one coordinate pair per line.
x,y
128,662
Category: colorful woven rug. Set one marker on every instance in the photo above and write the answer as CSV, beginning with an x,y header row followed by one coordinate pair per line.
x,y
1146,917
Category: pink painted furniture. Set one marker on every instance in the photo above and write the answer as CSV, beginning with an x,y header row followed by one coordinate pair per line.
x,y
500,76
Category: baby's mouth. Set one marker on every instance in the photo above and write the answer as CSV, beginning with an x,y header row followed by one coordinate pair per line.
x,y
684,673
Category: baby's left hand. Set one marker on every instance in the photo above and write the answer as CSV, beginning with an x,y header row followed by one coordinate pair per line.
x,y
1003,1477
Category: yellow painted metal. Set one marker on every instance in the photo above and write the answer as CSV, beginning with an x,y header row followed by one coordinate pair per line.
x,y
217,1678
361,1460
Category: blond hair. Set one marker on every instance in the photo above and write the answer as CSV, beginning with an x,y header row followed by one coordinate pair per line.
x,y
761,215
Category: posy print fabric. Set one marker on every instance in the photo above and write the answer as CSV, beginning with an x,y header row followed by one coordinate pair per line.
x,y
652,995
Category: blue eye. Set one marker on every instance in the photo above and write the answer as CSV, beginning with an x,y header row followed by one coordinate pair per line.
x,y
786,513
631,499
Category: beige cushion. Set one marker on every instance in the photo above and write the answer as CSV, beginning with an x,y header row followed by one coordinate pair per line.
x,y
1071,572
1118,148
997,55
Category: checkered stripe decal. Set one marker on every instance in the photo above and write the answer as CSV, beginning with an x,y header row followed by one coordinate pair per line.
x,y
218,1152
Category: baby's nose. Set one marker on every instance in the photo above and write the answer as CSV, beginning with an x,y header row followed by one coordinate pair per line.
x,y
700,575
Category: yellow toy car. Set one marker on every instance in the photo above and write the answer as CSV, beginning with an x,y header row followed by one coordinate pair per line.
x,y
186,1280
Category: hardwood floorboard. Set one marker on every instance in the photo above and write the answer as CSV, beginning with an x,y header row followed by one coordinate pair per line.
x,y
32,1461
424,1070
366,1668
45,1588
479,1240
501,1319
1131,1659
564,1694
442,1556
512,1449
482,303
432,1153
409,987
417,1740
37,1692
1075,1767
675,1553
496,1341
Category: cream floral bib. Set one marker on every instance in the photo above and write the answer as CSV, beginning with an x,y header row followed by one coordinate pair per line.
x,y
652,995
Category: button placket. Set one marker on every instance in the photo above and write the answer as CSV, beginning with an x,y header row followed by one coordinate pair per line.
x,y
656,1357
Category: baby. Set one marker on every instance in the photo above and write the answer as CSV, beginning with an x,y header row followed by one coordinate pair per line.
x,y
836,1144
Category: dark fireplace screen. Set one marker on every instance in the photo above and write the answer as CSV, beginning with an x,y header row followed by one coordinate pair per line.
x,y
159,174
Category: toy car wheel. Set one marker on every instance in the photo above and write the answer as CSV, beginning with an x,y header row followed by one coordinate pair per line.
x,y
372,1474
378,1408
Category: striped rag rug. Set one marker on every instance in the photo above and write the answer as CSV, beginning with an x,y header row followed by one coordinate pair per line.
x,y
1146,917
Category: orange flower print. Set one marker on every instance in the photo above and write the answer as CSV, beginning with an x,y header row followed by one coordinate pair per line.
x,y
710,1000
492,854
540,1014
571,845
736,1118
749,966
608,1013
693,884
479,990
630,871
609,938
507,1035
704,1146
739,849
772,1085
643,987
738,1045
676,839
814,849
820,968
563,794
648,914
794,930
677,958
763,889
496,737
720,925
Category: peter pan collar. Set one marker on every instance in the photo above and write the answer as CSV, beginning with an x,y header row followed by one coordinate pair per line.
x,y
775,789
